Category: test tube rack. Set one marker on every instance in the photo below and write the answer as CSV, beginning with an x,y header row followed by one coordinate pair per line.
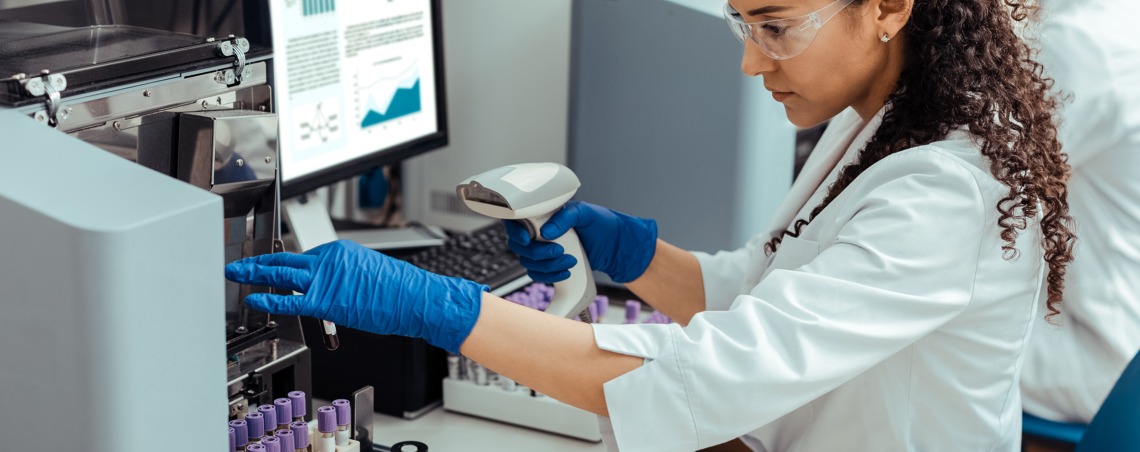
x,y
488,398
519,407
352,446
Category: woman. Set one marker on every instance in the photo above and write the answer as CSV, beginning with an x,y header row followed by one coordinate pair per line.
x,y
887,307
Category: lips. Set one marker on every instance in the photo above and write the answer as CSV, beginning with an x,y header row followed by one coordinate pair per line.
x,y
778,94
781,96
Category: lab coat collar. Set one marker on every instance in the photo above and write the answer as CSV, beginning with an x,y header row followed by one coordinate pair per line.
x,y
847,134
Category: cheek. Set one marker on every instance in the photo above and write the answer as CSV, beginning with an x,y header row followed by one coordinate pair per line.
x,y
829,77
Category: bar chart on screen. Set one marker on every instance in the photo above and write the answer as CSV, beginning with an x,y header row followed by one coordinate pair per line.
x,y
317,7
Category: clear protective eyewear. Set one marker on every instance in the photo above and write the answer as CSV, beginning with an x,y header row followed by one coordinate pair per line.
x,y
782,38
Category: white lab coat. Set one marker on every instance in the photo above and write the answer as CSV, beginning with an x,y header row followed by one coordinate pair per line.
x,y
1092,50
891,323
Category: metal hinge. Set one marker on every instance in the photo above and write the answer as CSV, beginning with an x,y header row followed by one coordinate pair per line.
x,y
237,49
50,87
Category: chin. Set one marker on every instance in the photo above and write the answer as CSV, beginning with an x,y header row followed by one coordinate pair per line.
x,y
804,119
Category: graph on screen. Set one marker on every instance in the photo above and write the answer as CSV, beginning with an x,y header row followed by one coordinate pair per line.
x,y
383,99
318,123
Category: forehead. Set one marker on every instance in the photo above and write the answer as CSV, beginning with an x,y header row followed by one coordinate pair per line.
x,y
775,8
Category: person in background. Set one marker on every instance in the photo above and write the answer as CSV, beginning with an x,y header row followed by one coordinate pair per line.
x,y
1091,48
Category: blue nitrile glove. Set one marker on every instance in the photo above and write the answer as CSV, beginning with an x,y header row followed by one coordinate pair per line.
x,y
351,285
616,244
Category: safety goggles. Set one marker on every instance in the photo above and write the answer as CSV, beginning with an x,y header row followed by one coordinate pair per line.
x,y
782,38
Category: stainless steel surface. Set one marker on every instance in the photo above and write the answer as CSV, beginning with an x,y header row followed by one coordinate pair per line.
x,y
363,408
217,148
261,356
166,94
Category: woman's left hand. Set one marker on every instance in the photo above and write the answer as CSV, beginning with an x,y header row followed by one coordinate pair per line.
x,y
351,285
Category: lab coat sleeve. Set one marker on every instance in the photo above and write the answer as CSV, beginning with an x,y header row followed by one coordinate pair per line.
x,y
724,272
1091,115
902,265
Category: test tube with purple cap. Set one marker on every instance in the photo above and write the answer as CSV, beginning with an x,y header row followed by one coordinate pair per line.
x,y
284,412
297,398
632,311
326,430
271,443
343,419
241,434
285,437
256,423
300,436
269,415
233,440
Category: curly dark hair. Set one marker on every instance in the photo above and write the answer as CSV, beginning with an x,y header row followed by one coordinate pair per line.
x,y
966,66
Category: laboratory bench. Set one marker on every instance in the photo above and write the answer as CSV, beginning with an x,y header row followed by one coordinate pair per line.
x,y
444,431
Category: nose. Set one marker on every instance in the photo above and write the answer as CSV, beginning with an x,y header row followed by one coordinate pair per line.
x,y
755,62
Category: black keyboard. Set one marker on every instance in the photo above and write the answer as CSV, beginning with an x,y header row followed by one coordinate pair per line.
x,y
481,256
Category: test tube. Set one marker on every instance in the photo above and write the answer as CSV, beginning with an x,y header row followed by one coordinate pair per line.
x,y
255,448
233,440
300,436
507,384
453,367
481,377
241,434
632,311
271,443
593,308
256,423
332,341
603,303
269,415
326,429
343,419
297,398
285,436
284,412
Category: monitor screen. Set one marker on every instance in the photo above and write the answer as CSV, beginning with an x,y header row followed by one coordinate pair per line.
x,y
358,84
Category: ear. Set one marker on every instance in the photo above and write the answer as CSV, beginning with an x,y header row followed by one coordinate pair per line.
x,y
891,15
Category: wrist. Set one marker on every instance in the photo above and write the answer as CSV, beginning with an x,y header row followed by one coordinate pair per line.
x,y
459,313
635,258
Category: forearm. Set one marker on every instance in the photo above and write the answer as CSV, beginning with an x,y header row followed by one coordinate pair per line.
x,y
555,356
672,283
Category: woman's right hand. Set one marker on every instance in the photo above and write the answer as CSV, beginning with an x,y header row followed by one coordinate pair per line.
x,y
616,244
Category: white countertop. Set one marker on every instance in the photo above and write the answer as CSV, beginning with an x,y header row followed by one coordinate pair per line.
x,y
444,431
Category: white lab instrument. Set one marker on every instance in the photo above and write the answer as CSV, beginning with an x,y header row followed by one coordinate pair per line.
x,y
532,193
112,299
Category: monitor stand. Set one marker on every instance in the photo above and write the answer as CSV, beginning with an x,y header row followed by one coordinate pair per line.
x,y
308,218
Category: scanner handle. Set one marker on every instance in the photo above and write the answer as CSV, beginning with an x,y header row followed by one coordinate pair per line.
x,y
573,295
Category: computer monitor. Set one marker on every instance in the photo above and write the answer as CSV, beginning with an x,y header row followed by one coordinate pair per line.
x,y
359,84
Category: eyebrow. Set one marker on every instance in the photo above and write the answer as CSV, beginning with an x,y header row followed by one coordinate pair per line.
x,y
765,10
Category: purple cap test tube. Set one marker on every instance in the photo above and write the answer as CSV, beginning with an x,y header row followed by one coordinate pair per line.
x,y
326,419
298,400
603,303
272,444
632,311
343,411
269,416
256,423
241,432
233,440
593,308
285,436
255,448
284,412
300,435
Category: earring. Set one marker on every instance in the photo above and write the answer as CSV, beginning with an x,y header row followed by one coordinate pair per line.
x,y
886,37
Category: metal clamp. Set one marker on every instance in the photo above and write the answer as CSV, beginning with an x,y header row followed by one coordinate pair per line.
x,y
49,86
238,49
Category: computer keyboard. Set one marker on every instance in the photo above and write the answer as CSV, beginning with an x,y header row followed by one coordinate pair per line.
x,y
481,256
